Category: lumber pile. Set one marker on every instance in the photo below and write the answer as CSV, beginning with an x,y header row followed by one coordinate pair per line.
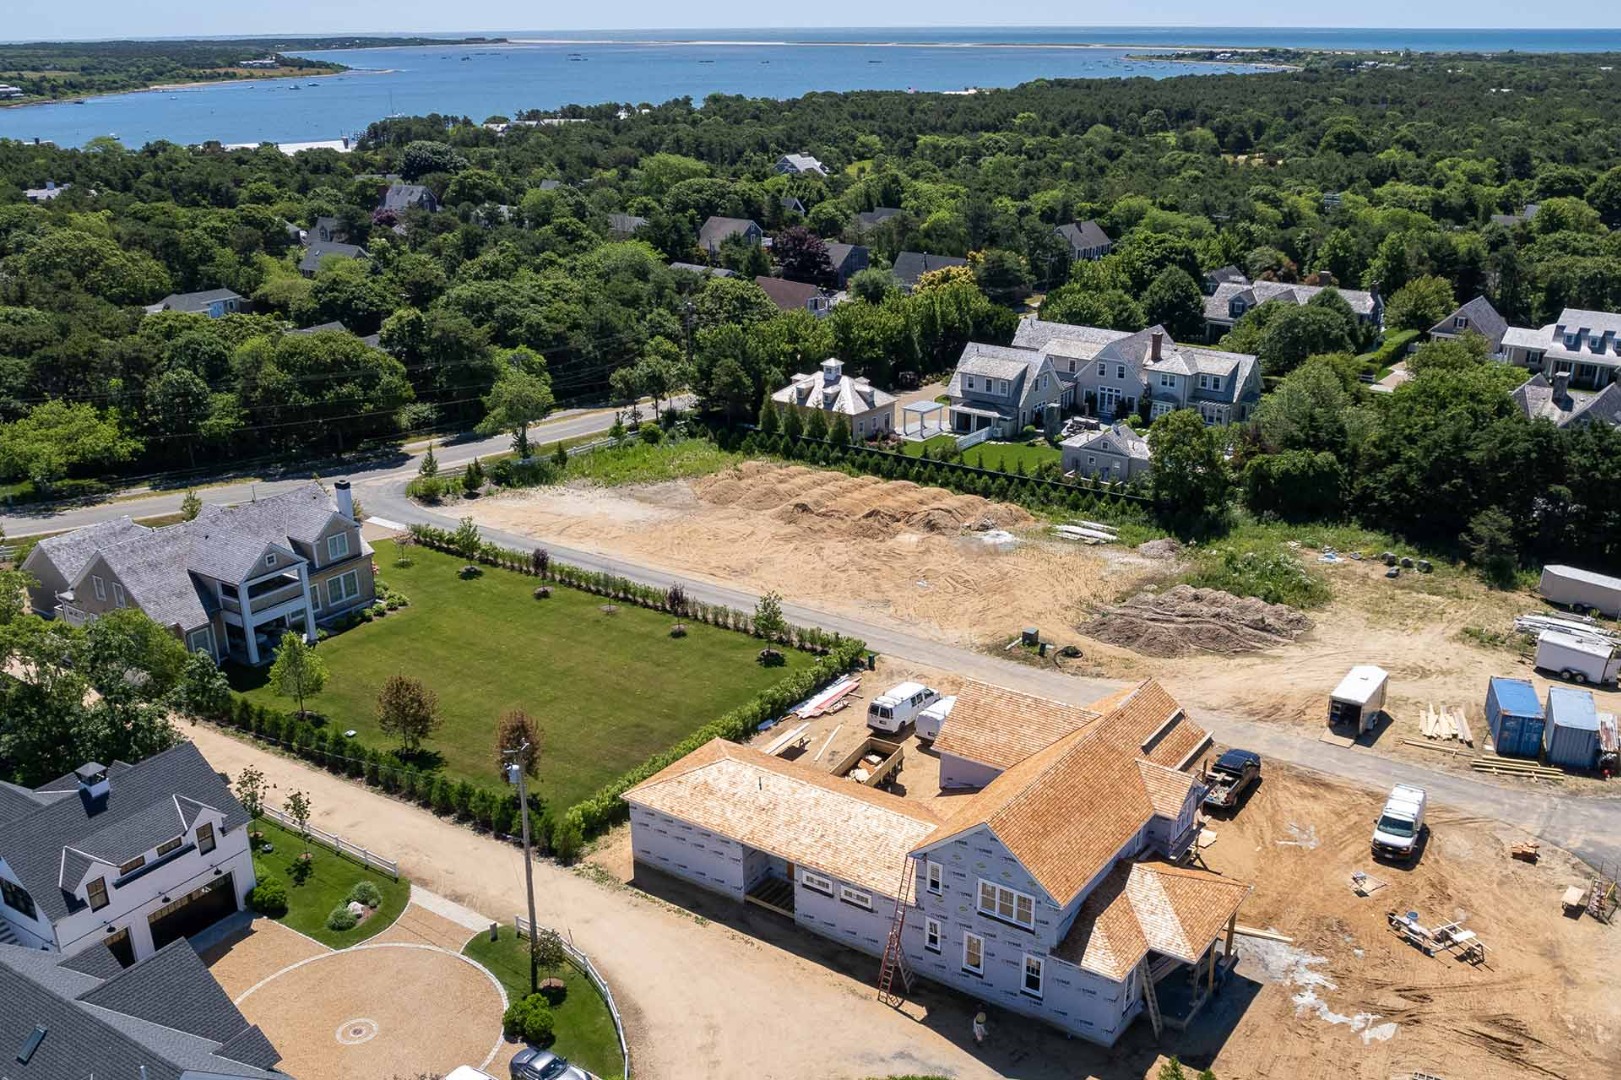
x,y
1446,723
1501,766
1530,851
1088,532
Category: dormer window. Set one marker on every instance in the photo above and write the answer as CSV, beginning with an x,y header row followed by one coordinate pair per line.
x,y
1001,387
16,898
1237,308
205,838
967,382
132,866
168,846
337,546
270,558
1459,322
1573,341
96,893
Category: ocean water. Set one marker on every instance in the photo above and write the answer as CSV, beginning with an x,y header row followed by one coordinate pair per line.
x,y
544,70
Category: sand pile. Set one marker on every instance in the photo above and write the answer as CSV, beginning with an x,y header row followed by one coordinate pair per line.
x,y
1185,620
826,503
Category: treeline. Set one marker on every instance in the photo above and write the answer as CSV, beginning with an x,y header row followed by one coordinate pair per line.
x,y
45,70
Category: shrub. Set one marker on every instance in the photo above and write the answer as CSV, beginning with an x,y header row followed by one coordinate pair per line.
x,y
568,837
341,918
530,1020
1276,577
366,892
269,898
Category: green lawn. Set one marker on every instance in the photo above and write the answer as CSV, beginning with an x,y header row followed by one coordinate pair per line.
x,y
325,888
607,690
992,455
585,1028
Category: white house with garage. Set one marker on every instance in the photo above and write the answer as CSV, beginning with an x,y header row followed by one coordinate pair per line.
x,y
130,857
1054,888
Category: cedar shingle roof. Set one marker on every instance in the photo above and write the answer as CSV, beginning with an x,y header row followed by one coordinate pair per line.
x,y
1001,728
1067,811
1149,905
798,813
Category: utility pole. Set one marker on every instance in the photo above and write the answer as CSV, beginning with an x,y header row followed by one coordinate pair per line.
x,y
518,767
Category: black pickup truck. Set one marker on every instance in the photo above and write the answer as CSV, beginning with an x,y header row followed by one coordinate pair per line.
x,y
1233,772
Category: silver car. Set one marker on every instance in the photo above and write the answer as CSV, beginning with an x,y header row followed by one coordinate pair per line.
x,y
532,1064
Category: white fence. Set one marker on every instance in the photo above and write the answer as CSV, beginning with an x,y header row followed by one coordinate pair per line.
x,y
583,962
336,843
975,438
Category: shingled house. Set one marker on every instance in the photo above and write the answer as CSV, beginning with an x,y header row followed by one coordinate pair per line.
x,y
1054,891
230,582
122,858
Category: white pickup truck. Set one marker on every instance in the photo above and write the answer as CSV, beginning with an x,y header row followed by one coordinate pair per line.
x,y
1396,834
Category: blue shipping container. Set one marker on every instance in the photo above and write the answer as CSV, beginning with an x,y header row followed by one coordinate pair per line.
x,y
1572,730
1515,717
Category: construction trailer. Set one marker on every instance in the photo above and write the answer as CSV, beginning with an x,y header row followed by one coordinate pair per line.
x,y
1359,698
1577,657
1515,716
1573,587
1571,734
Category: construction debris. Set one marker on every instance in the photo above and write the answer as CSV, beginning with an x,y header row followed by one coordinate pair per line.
x,y
1448,937
1445,723
1530,851
1184,620
1163,548
1502,766
1087,533
1364,884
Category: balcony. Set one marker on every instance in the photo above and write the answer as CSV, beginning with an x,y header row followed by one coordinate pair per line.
x,y
74,616
264,595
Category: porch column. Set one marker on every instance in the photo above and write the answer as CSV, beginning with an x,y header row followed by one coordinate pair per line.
x,y
1232,928
1210,984
247,623
309,609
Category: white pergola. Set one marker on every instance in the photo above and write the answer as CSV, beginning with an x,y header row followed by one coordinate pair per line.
x,y
922,410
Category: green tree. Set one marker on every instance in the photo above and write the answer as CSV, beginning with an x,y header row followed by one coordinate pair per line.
x,y
1298,332
298,808
1110,309
407,710
1175,301
769,622
1420,304
1189,482
190,505
1002,275
517,399
56,438
872,285
298,672
514,730
1605,196
203,691
425,156
466,539
1489,541
1296,485
250,790
1307,411
429,466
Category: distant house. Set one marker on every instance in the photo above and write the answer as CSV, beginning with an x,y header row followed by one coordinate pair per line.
x,y
868,219
1231,300
321,250
263,62
912,265
848,260
1005,389
795,164
791,204
624,226
871,411
1086,240
328,230
321,328
123,858
795,295
1225,275
1540,398
230,583
1586,345
717,230
399,197
9,91
215,303
699,268
48,193
1509,221
1476,317
1113,453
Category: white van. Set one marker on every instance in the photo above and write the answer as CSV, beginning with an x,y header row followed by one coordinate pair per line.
x,y
899,706
1396,834
931,720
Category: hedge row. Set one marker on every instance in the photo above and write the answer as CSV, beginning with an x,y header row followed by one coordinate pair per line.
x,y
670,599
1080,495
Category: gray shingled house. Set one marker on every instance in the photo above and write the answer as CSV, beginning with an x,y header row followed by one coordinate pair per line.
x,y
1114,453
1006,390
399,197
215,303
122,858
717,230
1086,240
912,265
1586,345
1476,317
320,250
229,583
1232,299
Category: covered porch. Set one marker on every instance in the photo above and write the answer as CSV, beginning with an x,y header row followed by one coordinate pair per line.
x,y
1175,991
967,419
771,879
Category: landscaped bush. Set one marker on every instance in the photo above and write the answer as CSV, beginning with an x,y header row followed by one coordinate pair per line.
x,y
530,1020
365,892
269,898
341,918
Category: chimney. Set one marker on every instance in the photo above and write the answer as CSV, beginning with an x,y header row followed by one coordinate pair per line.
x,y
1373,291
1561,389
92,780
1158,339
832,370
346,500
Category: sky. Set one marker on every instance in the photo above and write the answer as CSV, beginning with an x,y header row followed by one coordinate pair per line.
x,y
194,18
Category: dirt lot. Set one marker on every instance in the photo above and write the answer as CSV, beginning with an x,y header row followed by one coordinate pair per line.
x,y
896,553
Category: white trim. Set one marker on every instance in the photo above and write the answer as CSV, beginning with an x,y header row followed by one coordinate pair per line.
x,y
855,897
1040,964
967,936
999,894
931,932
935,876
334,556
816,882
100,586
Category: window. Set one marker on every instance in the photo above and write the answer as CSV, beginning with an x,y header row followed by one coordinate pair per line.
x,y
101,586
200,641
343,587
1007,905
1215,382
132,866
1041,382
816,882
936,878
931,934
1159,409
118,594
16,898
1572,341
973,953
270,558
1001,387
1120,371
1204,382
1459,322
337,546
1072,365
205,838
96,892
1091,460
168,846
1167,380
855,897
967,382
1103,369
1034,967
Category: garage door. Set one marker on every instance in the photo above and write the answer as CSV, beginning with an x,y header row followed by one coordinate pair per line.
x,y
196,911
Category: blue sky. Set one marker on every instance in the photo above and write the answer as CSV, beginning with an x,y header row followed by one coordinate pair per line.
x,y
174,18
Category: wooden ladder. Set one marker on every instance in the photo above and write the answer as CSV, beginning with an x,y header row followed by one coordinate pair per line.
x,y
894,954
1152,999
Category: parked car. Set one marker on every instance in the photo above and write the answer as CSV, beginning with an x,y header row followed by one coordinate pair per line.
x,y
899,706
1233,772
1395,835
533,1064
